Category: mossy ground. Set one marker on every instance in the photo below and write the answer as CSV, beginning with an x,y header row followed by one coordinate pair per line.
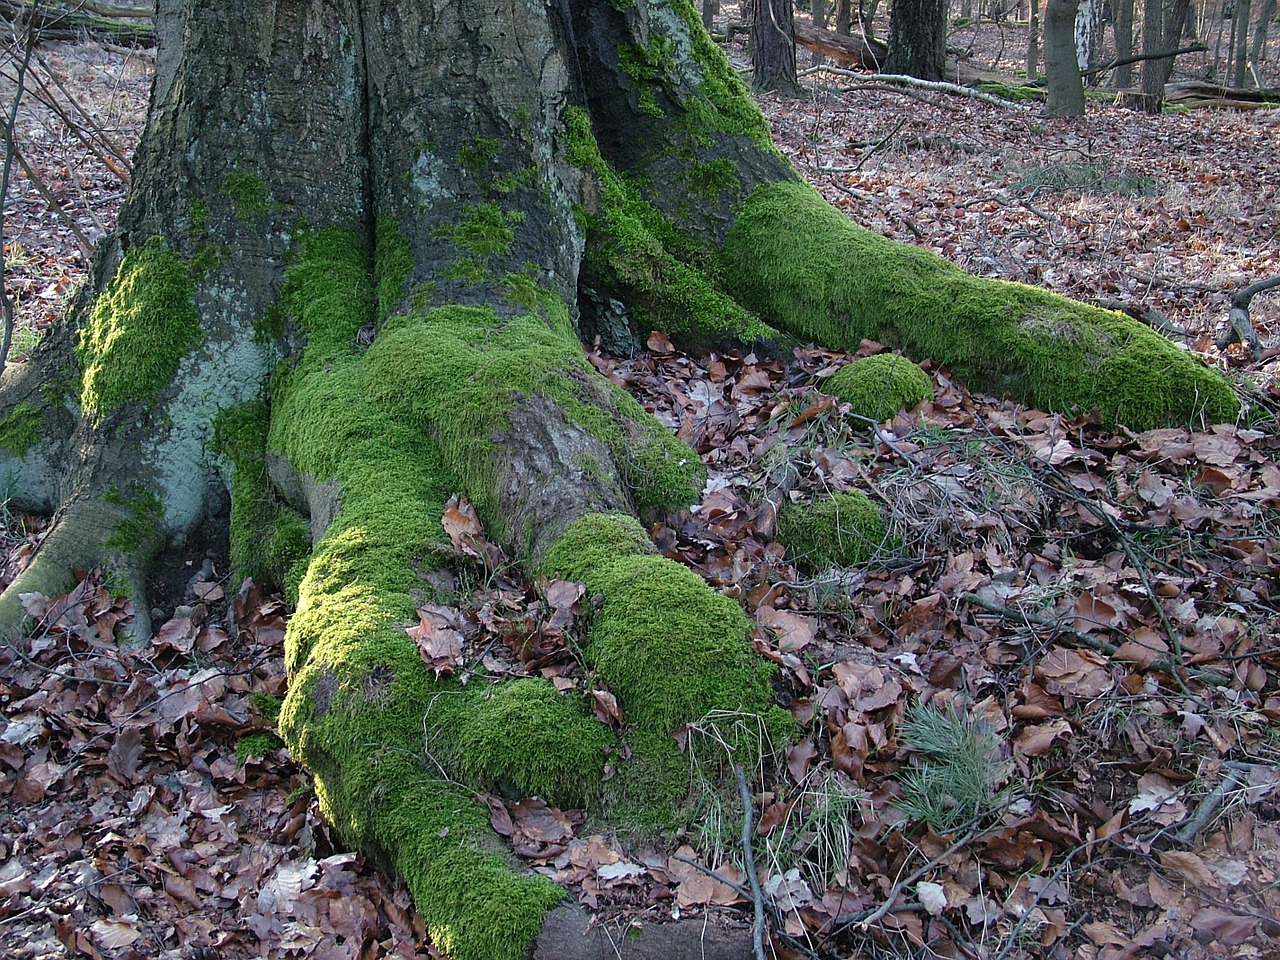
x,y
843,530
141,326
878,387
1045,350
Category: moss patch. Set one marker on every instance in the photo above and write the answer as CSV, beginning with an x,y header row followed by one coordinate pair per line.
x,y
878,387
21,429
1044,349
259,744
143,526
247,193
140,328
655,612
844,530
633,249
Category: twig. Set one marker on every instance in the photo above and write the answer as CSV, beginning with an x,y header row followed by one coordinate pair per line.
x,y
883,140
38,182
865,918
703,868
1138,57
757,897
1013,614
1207,807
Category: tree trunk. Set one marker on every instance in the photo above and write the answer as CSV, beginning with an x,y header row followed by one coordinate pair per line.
x,y
1240,42
1153,73
918,39
1061,66
773,47
1088,29
362,242
1261,30
1033,42
1122,78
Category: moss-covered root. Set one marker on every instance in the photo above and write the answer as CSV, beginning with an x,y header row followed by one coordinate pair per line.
x,y
843,530
86,535
1041,348
671,649
878,387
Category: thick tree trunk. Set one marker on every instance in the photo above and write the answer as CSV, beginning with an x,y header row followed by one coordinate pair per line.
x,y
1061,66
363,240
918,39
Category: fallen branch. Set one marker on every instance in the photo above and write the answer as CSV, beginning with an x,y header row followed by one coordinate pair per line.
x,y
1149,316
897,79
749,861
1207,807
1241,328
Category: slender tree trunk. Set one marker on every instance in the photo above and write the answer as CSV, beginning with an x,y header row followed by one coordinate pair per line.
x,y
773,47
1240,42
1088,28
844,17
1066,92
1033,42
1260,32
1153,73
918,39
1122,78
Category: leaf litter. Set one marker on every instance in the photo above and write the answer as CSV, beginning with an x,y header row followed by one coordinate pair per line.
x,y
1097,607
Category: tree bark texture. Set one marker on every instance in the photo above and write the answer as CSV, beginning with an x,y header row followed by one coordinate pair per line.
x,y
363,242
918,39
773,47
1061,65
1122,78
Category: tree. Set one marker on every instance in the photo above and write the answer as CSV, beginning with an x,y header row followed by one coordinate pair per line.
x,y
773,47
1061,65
361,242
918,39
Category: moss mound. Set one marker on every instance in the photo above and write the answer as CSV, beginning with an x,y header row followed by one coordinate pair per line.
x,y
844,530
672,650
878,387
1043,349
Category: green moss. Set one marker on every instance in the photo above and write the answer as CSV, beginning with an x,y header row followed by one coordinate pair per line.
x,y
655,612
644,66
247,193
143,526
485,230
140,328
633,249
843,530
710,178
878,387
724,104
392,265
511,182
207,259
477,154
1046,350
21,429
199,211
266,705
258,744
524,738
358,690
456,372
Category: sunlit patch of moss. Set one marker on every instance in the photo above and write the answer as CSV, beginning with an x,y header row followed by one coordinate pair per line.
x,y
843,530
485,230
878,387
21,429
140,328
657,611
358,691
710,178
632,248
247,193
1046,350
257,744
266,705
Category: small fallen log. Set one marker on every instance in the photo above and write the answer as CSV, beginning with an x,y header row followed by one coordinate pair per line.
x,y
72,20
1202,94
1241,328
868,53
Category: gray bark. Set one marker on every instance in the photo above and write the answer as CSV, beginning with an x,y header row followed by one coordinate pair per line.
x,y
1066,92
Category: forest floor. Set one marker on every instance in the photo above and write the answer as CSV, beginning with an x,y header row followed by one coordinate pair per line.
x,y
1042,577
